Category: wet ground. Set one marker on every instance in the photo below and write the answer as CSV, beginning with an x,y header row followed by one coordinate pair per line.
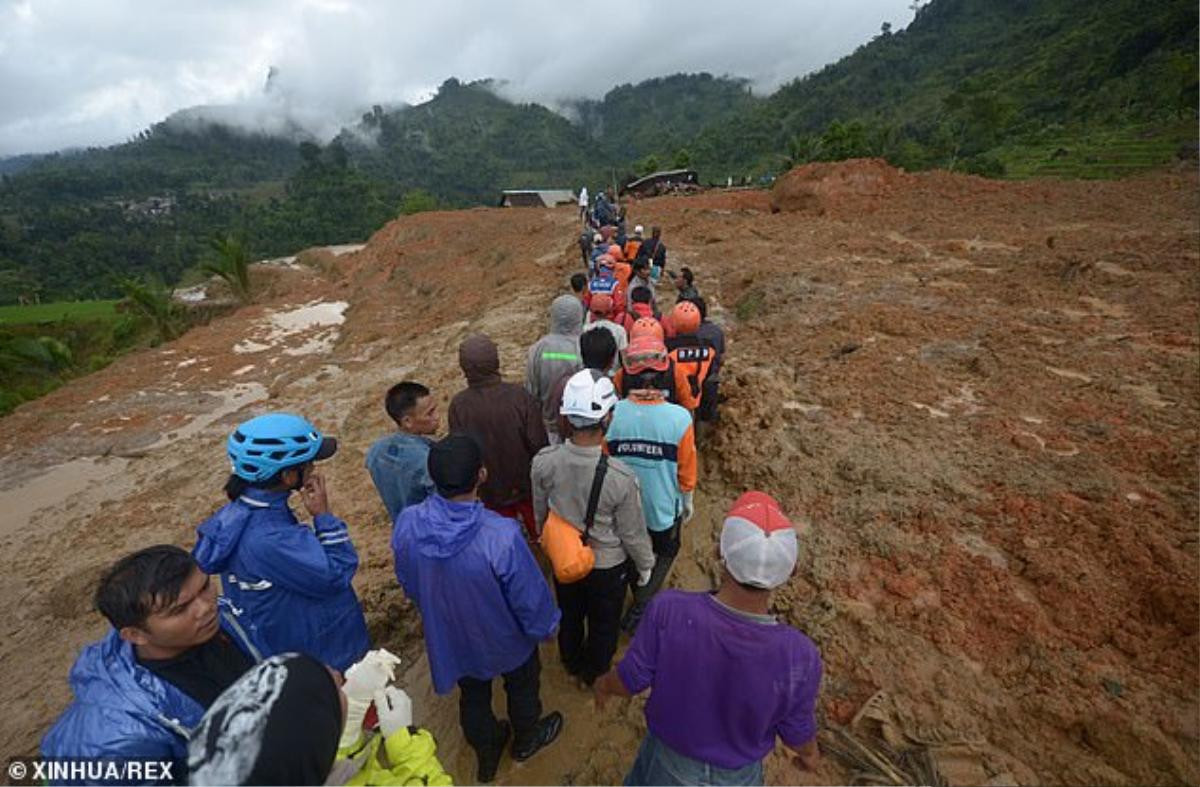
x,y
981,396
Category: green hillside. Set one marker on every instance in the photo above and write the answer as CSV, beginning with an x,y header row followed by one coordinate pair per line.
x,y
969,80
466,144
662,117
1019,88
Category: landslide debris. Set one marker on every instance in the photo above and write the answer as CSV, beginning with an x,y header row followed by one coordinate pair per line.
x,y
980,396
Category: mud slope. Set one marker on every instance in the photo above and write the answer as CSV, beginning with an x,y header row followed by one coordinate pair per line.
x,y
982,396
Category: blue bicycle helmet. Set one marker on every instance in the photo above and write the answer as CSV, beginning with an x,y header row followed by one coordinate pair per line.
x,y
262,446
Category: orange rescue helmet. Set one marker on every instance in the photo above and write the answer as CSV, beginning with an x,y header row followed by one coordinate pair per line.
x,y
646,326
685,317
602,304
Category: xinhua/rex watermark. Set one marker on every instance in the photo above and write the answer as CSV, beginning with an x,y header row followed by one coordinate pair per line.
x,y
37,770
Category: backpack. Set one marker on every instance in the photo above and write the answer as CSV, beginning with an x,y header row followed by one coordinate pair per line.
x,y
568,549
692,349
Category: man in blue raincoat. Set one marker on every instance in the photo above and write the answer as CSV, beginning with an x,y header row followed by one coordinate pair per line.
x,y
171,651
484,603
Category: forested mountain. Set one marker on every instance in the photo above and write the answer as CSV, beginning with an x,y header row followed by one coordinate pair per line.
x,y
971,76
466,143
1019,87
661,117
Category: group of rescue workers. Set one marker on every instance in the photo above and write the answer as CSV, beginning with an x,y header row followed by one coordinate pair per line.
x,y
586,473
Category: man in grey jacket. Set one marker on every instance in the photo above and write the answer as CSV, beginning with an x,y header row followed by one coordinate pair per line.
x,y
562,480
553,355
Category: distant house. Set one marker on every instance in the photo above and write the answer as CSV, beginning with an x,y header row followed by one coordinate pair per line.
x,y
661,182
153,206
536,198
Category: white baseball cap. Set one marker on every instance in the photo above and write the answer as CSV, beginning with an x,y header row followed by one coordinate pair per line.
x,y
638,230
758,543
587,397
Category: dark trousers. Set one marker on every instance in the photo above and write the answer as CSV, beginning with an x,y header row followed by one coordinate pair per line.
x,y
709,393
665,544
478,722
591,621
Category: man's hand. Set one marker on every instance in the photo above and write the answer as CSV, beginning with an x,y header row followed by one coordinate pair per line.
x,y
609,684
808,756
689,507
316,499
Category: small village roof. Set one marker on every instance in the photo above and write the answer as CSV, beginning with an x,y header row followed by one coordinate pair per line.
x,y
548,197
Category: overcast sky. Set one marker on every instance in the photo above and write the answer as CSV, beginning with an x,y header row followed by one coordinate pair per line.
x,y
80,72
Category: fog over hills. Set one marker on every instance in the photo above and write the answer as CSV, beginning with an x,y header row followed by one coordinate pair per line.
x,y
79,74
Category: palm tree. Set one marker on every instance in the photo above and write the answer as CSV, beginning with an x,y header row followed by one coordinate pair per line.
x,y
232,263
153,302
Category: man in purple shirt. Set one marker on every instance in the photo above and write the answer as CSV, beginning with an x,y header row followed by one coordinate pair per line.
x,y
725,676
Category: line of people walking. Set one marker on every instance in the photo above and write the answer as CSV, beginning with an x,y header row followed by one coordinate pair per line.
x,y
552,509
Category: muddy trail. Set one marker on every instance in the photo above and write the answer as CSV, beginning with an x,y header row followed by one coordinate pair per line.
x,y
981,396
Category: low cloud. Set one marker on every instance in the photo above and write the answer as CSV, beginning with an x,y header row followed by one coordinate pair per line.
x,y
75,73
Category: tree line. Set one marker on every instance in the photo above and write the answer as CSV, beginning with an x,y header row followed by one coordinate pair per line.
x,y
969,85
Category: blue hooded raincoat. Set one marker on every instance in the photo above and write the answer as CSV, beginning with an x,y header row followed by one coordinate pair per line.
x,y
121,709
484,602
288,585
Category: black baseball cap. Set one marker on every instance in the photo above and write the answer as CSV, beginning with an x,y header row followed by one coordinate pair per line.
x,y
454,463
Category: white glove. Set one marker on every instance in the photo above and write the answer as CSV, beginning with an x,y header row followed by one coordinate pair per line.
x,y
373,672
644,577
689,507
394,708
356,711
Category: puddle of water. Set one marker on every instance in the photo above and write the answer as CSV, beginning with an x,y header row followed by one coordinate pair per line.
x,y
318,314
58,484
310,315
55,486
232,400
317,344
290,260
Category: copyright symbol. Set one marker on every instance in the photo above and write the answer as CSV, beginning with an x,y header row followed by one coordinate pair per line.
x,y
17,770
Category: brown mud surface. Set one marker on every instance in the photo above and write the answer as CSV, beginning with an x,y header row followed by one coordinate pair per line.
x,y
982,397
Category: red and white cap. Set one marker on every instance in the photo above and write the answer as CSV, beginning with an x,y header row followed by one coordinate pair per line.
x,y
758,543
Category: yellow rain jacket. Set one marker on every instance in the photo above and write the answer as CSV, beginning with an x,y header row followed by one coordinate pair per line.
x,y
406,757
